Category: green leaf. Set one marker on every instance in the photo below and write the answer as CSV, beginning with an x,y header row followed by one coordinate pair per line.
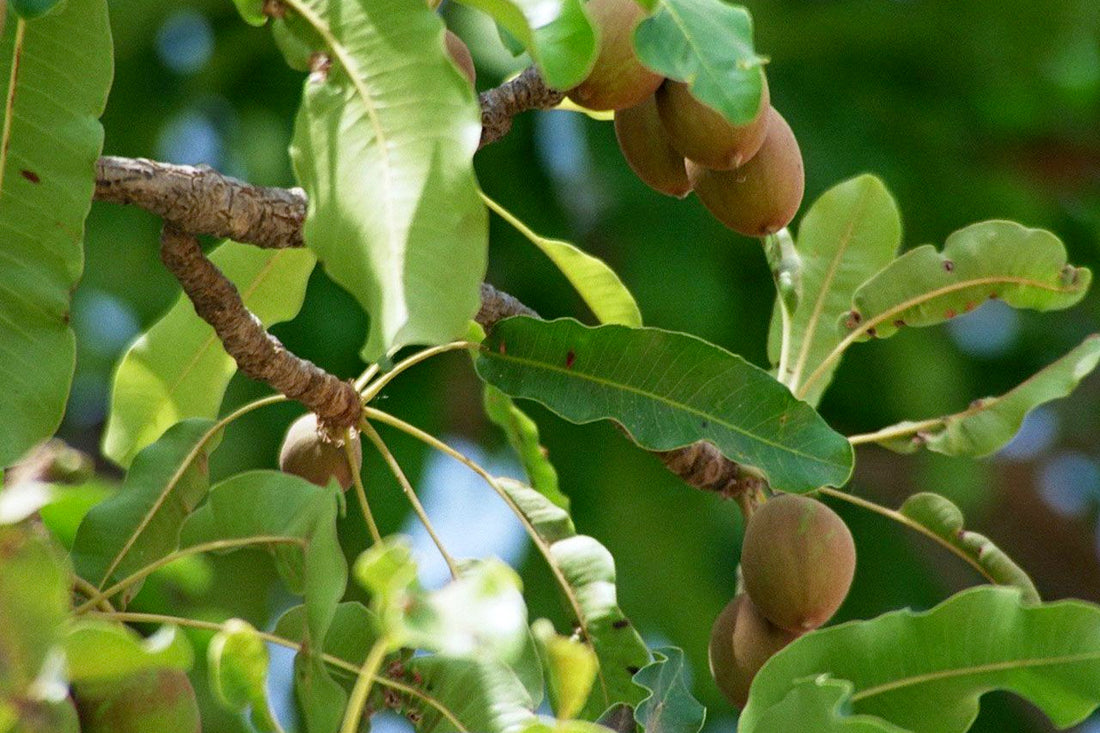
x,y
925,672
31,9
483,695
586,574
707,44
571,668
383,145
34,602
851,232
237,660
178,368
670,707
557,34
822,700
523,436
597,284
668,390
352,633
944,519
51,138
989,424
141,523
252,11
104,651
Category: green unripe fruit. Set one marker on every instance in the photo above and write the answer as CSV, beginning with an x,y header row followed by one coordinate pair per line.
x,y
617,80
798,561
703,135
647,150
308,453
763,195
460,54
741,640
160,700
45,717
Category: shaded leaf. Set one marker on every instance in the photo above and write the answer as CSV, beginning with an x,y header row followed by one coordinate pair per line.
x,y
670,706
667,390
851,232
557,34
51,140
707,44
523,435
352,633
925,672
990,423
141,522
571,667
397,120
237,660
178,368
103,651
31,9
944,519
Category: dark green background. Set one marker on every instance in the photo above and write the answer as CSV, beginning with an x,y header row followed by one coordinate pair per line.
x,y
968,110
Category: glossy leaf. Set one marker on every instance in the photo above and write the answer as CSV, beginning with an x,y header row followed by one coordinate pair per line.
x,y
571,668
925,672
667,390
670,706
586,572
51,140
34,602
944,519
851,232
989,424
707,44
383,145
178,368
141,522
557,34
103,651
523,435
237,659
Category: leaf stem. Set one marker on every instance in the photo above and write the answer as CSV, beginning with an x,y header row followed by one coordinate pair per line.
x,y
369,393
361,493
363,682
91,591
372,434
895,431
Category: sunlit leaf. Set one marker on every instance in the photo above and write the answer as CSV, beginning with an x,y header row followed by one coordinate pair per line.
x,y
237,659
571,668
483,695
667,390
51,139
925,672
102,651
178,368
670,706
252,11
383,145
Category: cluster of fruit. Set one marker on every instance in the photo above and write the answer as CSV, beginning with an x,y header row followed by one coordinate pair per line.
x,y
797,563
750,177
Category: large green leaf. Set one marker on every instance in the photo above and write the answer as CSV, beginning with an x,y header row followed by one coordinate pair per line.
x,y
141,522
708,44
667,390
925,672
822,700
523,436
938,515
101,651
178,368
990,423
383,145
670,706
586,574
556,33
49,141
851,232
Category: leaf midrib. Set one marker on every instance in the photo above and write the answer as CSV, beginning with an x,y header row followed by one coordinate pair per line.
x,y
9,101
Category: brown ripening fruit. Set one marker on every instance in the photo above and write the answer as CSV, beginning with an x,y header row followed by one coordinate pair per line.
x,y
741,640
703,135
647,150
160,700
798,561
460,54
36,716
311,455
617,80
763,195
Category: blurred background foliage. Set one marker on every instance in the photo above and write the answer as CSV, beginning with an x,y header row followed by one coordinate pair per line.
x,y
968,110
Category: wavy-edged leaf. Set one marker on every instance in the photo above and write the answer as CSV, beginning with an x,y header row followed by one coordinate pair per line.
x,y
586,572
141,522
670,706
596,283
851,232
944,519
237,660
822,700
925,672
707,44
557,34
668,390
383,145
990,423
523,436
51,137
98,650
178,368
